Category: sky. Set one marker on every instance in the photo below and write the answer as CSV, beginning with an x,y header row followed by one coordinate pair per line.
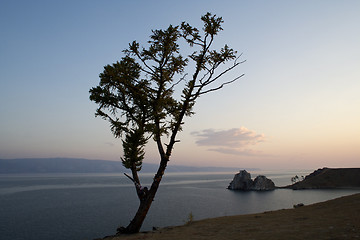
x,y
297,106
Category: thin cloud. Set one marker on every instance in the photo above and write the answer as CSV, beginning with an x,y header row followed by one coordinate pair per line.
x,y
235,137
234,141
233,151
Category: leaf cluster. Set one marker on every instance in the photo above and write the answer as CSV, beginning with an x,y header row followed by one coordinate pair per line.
x,y
121,96
133,146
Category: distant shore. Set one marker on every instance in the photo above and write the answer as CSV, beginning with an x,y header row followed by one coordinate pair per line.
x,y
79,165
333,219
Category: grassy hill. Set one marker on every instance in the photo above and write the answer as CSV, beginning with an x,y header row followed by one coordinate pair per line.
x,y
334,219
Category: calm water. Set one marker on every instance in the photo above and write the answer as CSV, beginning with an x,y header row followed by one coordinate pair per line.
x,y
80,206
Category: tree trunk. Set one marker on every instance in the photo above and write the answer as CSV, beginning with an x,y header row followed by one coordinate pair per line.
x,y
145,202
136,223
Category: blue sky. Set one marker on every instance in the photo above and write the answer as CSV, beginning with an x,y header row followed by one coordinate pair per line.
x,y
298,105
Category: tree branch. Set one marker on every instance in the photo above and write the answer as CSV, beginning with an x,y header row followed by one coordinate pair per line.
x,y
217,88
210,79
151,72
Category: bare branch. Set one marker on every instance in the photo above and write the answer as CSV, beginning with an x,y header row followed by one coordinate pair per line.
x,y
203,77
209,81
240,55
180,80
151,72
217,88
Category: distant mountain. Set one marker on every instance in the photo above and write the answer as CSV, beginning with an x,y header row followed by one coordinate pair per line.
x,y
77,165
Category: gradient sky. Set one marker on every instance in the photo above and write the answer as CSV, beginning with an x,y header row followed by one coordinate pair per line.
x,y
297,107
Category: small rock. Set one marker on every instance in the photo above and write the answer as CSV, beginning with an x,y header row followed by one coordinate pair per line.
x,y
299,205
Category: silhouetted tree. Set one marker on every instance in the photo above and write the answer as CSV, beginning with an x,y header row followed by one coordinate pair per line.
x,y
297,179
293,180
136,95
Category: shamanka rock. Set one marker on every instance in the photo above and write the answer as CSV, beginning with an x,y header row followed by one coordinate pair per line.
x,y
242,181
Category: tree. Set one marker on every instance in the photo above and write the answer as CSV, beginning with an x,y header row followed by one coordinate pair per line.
x,y
297,179
137,95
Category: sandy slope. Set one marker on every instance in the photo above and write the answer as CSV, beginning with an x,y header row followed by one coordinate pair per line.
x,y
334,219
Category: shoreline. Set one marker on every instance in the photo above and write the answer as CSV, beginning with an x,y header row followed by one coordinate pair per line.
x,y
333,219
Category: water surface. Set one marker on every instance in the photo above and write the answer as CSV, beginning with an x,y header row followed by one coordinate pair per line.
x,y
88,206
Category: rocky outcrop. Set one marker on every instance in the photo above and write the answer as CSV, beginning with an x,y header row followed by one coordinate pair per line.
x,y
242,181
262,183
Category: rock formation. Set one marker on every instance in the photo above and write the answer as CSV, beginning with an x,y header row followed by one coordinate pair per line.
x,y
242,181
262,183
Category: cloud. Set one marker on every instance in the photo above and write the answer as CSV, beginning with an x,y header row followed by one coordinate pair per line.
x,y
234,141
235,137
233,151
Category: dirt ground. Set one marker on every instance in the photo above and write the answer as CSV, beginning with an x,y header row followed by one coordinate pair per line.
x,y
334,219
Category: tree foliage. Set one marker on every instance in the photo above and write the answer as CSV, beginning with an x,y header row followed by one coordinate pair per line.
x,y
136,94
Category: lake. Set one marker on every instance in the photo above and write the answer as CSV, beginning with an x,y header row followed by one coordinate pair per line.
x,y
88,206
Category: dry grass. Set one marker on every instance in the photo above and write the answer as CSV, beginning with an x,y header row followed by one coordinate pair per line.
x,y
335,219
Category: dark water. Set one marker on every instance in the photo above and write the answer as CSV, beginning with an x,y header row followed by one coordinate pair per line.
x,y
75,206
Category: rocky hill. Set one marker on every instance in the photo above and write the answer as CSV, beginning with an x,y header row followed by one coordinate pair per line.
x,y
327,178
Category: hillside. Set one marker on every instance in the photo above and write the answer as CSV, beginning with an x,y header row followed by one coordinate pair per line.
x,y
334,219
326,178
